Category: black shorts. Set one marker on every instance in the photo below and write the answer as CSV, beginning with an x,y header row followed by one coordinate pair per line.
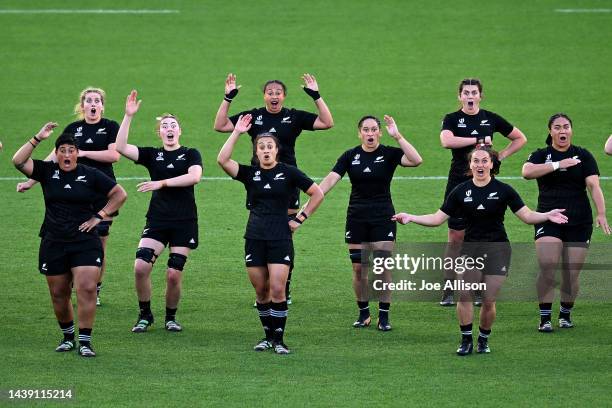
x,y
58,258
572,235
261,253
172,233
358,231
489,258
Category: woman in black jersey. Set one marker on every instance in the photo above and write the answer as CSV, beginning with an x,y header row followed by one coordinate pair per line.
x,y
482,203
95,137
564,173
268,238
371,166
461,131
285,123
70,250
172,218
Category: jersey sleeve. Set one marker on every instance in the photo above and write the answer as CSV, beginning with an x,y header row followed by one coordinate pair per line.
x,y
305,119
234,118
537,157
113,129
244,173
515,202
447,123
589,165
300,180
40,170
342,164
144,155
194,158
102,183
502,125
452,206
396,155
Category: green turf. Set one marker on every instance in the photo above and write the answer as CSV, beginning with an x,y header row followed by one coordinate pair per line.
x,y
387,57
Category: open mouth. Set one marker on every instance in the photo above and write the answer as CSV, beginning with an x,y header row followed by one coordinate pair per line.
x,y
67,162
562,138
170,137
480,172
266,156
370,140
470,104
93,111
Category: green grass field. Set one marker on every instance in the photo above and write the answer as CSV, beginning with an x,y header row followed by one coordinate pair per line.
x,y
389,57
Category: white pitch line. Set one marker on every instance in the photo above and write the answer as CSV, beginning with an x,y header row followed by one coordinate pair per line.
x,y
601,10
86,11
409,178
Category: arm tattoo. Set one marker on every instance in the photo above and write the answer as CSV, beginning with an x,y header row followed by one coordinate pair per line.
x,y
20,166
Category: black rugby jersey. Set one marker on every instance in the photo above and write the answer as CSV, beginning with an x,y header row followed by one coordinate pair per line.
x,y
566,188
483,209
69,198
170,203
269,191
285,125
94,137
370,174
484,123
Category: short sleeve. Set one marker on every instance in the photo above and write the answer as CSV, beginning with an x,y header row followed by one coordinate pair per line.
x,y
451,206
502,125
194,158
515,202
144,155
589,165
536,157
244,172
40,170
112,132
396,155
300,180
102,183
305,119
447,123
234,118
342,164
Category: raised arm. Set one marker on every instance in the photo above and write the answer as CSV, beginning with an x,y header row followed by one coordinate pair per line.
x,y
224,159
411,157
597,196
429,220
533,171
517,140
131,107
533,217
311,87
22,159
222,121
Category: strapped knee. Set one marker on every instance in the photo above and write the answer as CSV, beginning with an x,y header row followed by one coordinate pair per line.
x,y
355,255
146,254
176,261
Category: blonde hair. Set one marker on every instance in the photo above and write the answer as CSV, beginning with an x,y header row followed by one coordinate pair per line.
x,y
78,108
162,117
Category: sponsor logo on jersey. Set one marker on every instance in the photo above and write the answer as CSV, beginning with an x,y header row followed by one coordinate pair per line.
x,y
247,258
170,166
286,120
192,241
493,196
367,170
480,207
180,157
279,176
89,140
79,132
485,122
379,159
272,130
55,175
101,131
461,123
98,260
67,186
474,132
287,258
160,156
267,187
540,231
390,234
548,158
257,177
468,197
81,179
356,160
258,120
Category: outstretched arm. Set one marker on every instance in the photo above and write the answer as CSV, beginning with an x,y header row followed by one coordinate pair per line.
x,y
429,220
222,121
311,87
224,159
329,181
533,217
131,107
411,157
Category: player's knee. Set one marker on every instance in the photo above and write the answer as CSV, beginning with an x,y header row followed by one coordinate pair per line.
x,y
146,254
277,289
176,261
380,254
173,277
355,255
59,294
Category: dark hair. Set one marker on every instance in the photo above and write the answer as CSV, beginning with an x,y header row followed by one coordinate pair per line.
x,y
493,155
275,81
366,118
261,136
550,122
470,81
65,139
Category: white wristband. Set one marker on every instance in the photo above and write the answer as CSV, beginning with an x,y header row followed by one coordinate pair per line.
x,y
555,165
